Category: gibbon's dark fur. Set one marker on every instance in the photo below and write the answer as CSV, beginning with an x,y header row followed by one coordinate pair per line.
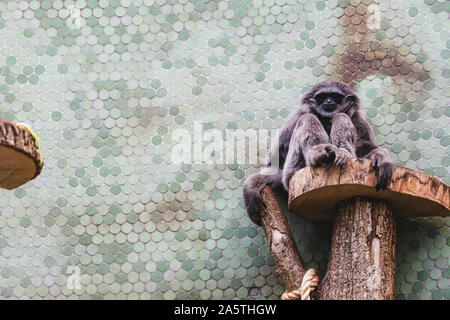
x,y
327,127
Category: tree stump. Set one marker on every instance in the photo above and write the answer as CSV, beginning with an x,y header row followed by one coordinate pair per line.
x,y
362,256
362,259
20,157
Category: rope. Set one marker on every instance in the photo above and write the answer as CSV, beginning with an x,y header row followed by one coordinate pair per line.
x,y
309,283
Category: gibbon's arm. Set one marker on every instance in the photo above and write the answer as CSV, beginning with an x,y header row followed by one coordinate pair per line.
x,y
366,147
280,146
366,138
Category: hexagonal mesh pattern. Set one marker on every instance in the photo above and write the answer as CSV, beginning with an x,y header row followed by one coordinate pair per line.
x,y
106,83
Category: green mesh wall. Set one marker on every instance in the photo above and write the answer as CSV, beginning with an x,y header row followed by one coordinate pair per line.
x,y
104,84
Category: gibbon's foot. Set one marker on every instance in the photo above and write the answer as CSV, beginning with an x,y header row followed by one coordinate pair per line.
x,y
321,154
341,156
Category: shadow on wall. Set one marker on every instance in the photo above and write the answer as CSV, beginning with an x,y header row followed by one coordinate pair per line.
x,y
365,50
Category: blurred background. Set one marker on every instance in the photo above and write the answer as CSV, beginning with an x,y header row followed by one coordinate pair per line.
x,y
105,83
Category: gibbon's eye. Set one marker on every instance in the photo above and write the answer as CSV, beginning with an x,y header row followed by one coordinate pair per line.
x,y
337,98
320,98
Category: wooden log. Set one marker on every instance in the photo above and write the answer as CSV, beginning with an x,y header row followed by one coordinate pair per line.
x,y
314,192
281,243
362,258
20,157
362,255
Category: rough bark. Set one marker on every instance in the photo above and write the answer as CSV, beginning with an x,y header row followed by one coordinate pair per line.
x,y
281,244
20,158
315,191
362,255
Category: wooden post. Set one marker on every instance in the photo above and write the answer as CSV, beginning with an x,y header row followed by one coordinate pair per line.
x,y
281,244
362,256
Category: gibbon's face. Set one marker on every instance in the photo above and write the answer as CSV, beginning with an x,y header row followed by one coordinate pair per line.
x,y
329,102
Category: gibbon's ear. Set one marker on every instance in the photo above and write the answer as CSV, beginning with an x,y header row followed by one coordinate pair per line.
x,y
306,100
351,103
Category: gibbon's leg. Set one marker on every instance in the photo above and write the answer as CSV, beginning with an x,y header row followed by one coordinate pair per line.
x,y
343,136
309,146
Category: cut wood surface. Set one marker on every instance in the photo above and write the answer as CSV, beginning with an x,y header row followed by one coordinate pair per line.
x,y
314,192
20,158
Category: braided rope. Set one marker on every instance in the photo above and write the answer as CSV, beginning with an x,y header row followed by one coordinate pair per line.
x,y
309,283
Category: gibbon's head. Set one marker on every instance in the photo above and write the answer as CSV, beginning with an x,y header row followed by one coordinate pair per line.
x,y
328,98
